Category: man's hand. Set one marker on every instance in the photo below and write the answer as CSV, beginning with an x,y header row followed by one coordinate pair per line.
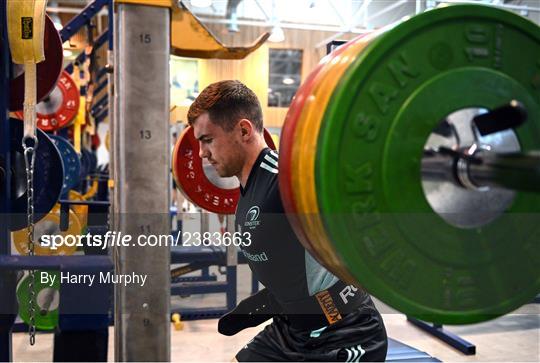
x,y
251,312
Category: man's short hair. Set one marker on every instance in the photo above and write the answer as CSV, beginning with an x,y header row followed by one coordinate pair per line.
x,y
227,102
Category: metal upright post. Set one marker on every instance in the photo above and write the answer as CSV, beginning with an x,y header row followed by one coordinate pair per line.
x,y
112,111
141,163
205,227
232,264
4,132
5,241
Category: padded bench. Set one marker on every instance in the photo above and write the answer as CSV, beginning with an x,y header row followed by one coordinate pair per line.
x,y
399,352
217,255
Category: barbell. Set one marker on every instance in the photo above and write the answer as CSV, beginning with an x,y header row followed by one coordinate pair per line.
x,y
406,165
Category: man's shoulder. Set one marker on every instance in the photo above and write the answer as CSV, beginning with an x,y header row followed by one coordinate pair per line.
x,y
268,164
266,173
265,189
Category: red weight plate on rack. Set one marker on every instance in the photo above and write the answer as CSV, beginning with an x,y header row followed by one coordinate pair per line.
x,y
192,179
48,71
60,107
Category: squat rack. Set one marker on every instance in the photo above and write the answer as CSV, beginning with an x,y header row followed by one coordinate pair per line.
x,y
144,322
139,203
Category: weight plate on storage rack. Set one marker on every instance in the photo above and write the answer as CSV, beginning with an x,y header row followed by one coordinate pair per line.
x,y
70,160
192,180
80,209
60,107
50,226
369,154
93,162
48,176
86,164
47,71
47,300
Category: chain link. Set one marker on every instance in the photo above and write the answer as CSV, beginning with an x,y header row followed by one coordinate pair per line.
x,y
30,146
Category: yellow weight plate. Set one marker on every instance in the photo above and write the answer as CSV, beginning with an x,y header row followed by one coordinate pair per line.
x,y
75,195
49,225
304,152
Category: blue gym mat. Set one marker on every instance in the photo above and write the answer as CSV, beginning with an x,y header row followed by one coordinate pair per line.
x,y
399,352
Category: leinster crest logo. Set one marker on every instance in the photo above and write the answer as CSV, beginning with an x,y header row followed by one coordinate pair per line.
x,y
252,217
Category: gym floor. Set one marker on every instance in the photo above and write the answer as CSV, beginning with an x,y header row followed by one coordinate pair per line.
x,y
511,338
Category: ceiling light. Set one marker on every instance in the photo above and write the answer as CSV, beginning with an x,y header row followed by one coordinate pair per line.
x,y
201,3
277,35
288,81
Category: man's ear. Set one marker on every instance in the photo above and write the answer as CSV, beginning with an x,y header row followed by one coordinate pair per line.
x,y
246,128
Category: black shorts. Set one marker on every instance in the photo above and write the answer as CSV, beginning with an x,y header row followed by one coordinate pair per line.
x,y
359,337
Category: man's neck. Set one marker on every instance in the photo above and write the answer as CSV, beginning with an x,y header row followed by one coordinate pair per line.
x,y
248,165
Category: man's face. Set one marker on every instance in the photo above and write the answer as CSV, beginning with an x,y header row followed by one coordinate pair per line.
x,y
221,148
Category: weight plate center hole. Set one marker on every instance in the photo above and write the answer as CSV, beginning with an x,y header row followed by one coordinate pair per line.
x,y
457,205
48,299
51,103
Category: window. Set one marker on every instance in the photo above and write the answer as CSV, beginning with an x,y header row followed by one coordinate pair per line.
x,y
285,76
184,81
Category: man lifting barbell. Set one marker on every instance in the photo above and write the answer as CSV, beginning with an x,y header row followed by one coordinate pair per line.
x,y
316,316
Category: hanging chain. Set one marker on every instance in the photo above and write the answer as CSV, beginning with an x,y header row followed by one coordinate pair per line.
x,y
30,146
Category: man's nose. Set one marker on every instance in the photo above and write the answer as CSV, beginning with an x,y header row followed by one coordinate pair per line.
x,y
203,153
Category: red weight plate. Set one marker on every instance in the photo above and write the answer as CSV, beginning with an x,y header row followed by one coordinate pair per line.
x,y
48,71
286,145
59,107
96,141
189,175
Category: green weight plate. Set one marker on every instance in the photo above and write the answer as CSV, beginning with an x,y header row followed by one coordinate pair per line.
x,y
47,299
368,165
